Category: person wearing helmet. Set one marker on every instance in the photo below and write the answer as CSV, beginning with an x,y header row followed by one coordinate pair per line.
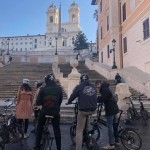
x,y
50,97
36,109
87,102
24,105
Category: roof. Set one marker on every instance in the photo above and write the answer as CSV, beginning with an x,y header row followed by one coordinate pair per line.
x,y
93,2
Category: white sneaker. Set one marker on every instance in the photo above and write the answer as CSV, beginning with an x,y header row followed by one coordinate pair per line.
x,y
109,147
26,135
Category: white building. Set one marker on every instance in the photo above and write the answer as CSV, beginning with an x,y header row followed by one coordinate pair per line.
x,y
57,34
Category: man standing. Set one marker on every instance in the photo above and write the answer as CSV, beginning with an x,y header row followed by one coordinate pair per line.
x,y
87,102
111,109
50,97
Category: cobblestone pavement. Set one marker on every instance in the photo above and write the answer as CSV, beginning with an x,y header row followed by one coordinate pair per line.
x,y
27,144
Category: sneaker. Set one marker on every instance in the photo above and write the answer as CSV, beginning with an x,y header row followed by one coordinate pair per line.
x,y
109,147
26,135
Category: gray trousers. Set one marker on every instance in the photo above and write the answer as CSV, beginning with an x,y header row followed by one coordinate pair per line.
x,y
81,120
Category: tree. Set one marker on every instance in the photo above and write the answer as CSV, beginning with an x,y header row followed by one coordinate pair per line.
x,y
80,41
95,15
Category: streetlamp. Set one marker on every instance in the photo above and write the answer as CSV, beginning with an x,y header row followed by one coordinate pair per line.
x,y
8,39
114,62
56,45
91,46
1,48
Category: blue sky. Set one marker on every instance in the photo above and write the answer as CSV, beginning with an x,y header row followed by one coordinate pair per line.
x,y
22,17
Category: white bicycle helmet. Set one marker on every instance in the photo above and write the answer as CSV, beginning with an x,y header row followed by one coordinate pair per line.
x,y
25,81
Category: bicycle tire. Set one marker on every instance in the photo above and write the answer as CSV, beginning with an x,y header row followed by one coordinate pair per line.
x,y
46,145
95,132
131,140
91,144
73,134
144,115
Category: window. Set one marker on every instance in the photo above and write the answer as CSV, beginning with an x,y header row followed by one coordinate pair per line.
x,y
124,12
100,6
101,33
73,17
35,40
108,52
132,5
125,44
146,33
73,40
51,19
107,23
35,46
101,57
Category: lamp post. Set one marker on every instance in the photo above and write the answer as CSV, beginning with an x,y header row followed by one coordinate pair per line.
x,y
1,48
113,50
8,39
91,46
56,45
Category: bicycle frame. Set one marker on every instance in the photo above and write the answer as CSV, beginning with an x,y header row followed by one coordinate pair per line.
x,y
47,139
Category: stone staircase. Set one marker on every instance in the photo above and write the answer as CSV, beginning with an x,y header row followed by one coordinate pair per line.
x,y
11,77
93,76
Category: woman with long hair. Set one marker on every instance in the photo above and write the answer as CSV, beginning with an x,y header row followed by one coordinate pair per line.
x,y
24,105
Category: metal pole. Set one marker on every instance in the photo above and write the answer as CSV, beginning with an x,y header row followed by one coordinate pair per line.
x,y
8,46
56,46
114,61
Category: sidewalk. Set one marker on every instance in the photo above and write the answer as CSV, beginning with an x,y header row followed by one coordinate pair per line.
x,y
27,144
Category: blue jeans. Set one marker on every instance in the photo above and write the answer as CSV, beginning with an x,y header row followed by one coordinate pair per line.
x,y
112,129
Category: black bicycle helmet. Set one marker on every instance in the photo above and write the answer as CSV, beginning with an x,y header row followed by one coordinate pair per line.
x,y
49,77
84,77
38,83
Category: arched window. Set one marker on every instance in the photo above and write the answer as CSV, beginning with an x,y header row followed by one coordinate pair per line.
x,y
51,19
73,17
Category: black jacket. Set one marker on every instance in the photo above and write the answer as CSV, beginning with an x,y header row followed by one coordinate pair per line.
x,y
86,94
50,97
111,107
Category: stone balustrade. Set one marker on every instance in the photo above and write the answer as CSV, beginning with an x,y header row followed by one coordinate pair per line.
x,y
134,77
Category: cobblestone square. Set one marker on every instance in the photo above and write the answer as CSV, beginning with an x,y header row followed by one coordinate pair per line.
x,y
27,144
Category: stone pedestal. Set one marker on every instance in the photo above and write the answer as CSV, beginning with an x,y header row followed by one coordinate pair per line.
x,y
73,77
55,62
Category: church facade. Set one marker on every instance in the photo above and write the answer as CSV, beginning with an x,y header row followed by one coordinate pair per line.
x,y
58,35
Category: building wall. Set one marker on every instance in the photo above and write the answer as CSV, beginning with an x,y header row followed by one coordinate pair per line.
x,y
137,52
132,28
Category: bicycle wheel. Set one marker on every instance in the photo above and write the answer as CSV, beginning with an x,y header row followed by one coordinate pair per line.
x,y
95,132
73,134
144,115
131,139
46,143
91,144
